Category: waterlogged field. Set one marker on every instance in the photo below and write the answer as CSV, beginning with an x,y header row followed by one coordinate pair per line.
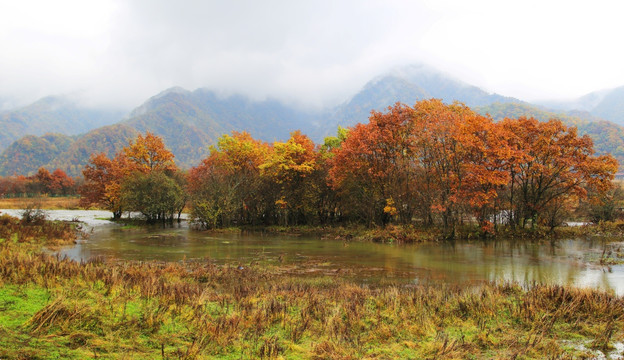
x,y
563,262
253,296
573,262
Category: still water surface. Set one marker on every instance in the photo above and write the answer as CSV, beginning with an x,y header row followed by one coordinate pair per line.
x,y
560,262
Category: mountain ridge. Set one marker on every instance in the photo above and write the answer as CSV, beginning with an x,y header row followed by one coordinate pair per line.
x,y
191,121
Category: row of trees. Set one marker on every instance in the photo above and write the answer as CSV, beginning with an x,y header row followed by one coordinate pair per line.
x,y
43,182
431,164
446,164
246,181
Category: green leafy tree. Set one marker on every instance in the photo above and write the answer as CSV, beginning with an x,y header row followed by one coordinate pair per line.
x,y
156,195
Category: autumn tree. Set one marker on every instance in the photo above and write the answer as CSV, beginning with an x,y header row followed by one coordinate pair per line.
x,y
327,200
61,184
603,205
15,185
43,181
102,186
462,155
226,187
148,154
556,163
289,167
431,160
105,178
371,169
152,184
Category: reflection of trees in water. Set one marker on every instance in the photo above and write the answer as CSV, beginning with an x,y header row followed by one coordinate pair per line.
x,y
528,262
451,262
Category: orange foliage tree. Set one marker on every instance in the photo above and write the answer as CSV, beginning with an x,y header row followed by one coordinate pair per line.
x,y
374,166
60,183
102,186
447,164
461,156
555,164
117,184
148,154
431,160
41,183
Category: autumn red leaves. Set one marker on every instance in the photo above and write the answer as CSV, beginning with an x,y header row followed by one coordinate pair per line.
x,y
445,164
431,164
56,183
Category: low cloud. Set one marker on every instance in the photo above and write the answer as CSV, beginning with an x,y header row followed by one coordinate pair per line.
x,y
120,53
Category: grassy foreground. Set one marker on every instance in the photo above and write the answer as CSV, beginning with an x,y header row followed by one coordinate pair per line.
x,y
53,308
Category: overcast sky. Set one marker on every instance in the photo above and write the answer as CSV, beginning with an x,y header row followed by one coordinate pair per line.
x,y
315,53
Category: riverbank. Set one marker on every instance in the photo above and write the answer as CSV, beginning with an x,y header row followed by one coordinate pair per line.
x,y
409,234
391,233
54,308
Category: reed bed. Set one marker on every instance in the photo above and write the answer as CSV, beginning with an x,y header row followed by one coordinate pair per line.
x,y
56,308
33,228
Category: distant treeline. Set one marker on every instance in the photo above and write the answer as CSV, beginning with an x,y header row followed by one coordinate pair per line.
x,y
43,182
427,165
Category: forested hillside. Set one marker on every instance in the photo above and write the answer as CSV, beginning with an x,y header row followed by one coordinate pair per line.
x,y
190,122
604,104
29,153
52,151
53,114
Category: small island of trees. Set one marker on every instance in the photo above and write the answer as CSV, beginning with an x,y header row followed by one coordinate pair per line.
x,y
431,165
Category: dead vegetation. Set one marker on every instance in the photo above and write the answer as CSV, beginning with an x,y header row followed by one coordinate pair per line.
x,y
51,307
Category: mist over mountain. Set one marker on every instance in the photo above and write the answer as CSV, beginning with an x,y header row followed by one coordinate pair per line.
x,y
407,85
6,104
605,104
53,114
191,121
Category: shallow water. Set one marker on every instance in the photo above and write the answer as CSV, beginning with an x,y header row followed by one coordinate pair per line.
x,y
560,262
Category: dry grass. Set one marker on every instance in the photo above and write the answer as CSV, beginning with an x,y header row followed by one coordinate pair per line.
x,y
197,310
48,203
36,230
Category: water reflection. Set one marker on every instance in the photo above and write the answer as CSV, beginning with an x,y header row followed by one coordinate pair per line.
x,y
560,262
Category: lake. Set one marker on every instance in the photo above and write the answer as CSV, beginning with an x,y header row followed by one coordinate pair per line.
x,y
561,262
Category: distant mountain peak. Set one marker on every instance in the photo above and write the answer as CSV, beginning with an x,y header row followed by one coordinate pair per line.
x,y
154,100
52,103
419,71
591,100
607,104
171,90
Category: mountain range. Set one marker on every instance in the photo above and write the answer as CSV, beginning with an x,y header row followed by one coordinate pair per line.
x,y
52,114
58,133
